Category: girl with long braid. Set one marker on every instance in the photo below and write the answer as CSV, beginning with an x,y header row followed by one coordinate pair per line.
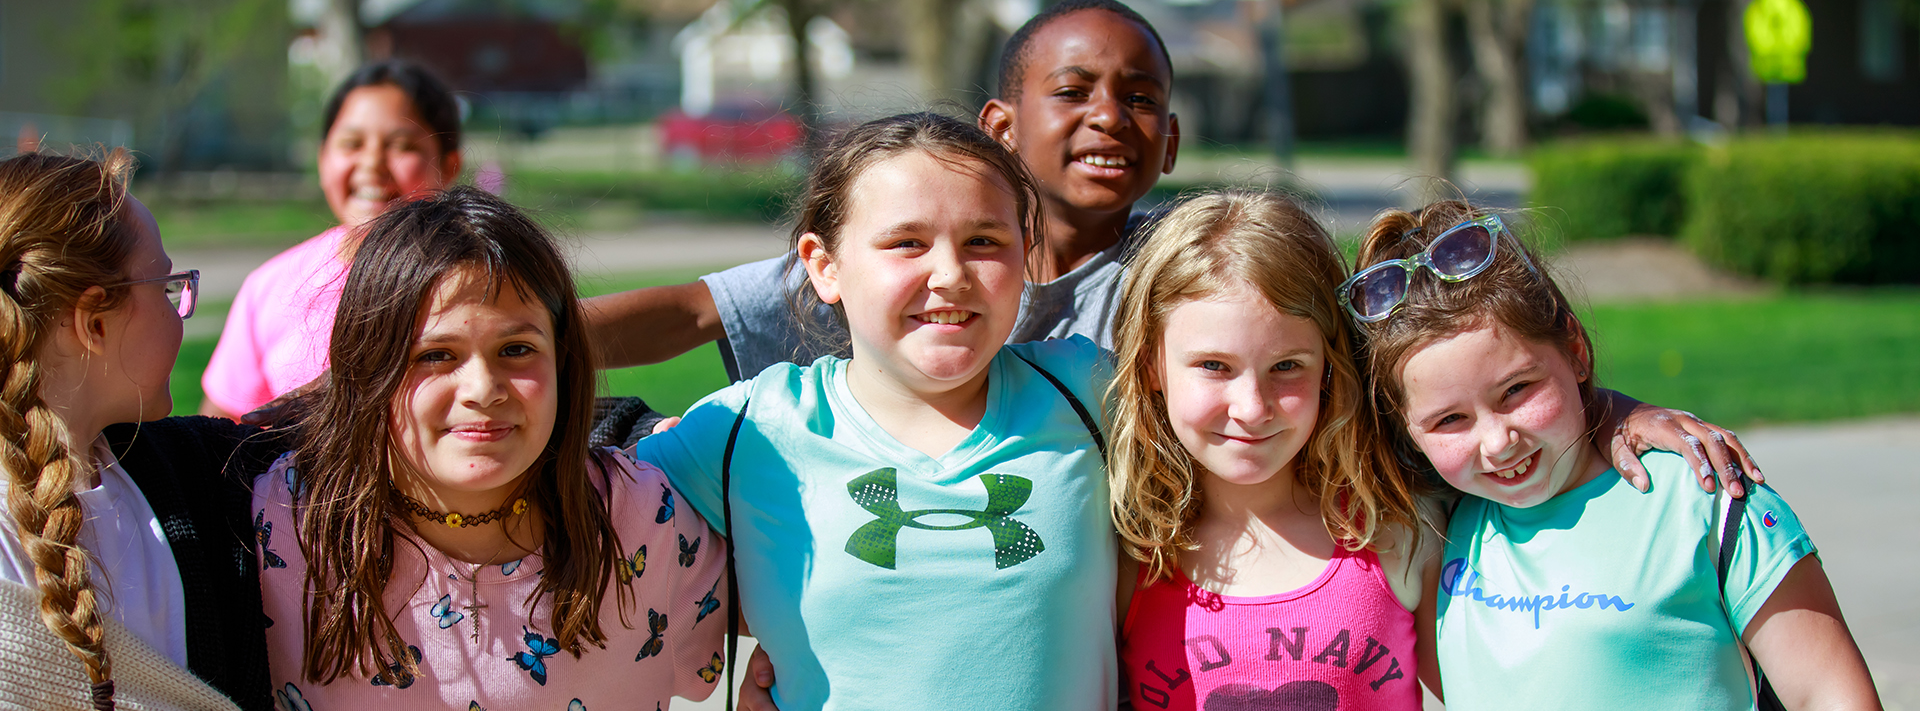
x,y
91,599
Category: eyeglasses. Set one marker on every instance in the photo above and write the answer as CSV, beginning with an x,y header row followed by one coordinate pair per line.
x,y
1458,254
183,289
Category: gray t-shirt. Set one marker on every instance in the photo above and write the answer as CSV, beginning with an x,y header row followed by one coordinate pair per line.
x,y
753,300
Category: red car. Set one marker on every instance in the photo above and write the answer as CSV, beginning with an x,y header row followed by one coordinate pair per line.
x,y
730,134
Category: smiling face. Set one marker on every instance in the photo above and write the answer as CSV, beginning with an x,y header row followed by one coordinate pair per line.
x,y
1091,119
380,149
1242,384
928,267
1500,416
480,396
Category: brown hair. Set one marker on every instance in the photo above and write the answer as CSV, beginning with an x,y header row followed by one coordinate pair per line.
x,y
1210,244
347,516
1514,291
823,202
63,231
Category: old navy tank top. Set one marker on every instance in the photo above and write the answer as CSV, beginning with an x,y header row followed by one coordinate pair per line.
x,y
1342,642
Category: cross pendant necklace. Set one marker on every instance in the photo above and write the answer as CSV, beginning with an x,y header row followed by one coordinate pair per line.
x,y
474,607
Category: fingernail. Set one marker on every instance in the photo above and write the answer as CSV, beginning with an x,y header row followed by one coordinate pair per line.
x,y
1756,474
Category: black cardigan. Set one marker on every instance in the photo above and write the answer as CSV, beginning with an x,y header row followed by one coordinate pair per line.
x,y
197,475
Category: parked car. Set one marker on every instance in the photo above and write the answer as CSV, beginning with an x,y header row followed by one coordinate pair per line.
x,y
730,133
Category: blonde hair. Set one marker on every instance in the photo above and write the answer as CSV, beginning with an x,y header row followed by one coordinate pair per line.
x,y
1209,245
62,232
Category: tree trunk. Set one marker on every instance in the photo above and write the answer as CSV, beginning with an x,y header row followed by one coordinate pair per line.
x,y
799,14
932,46
1433,107
1497,31
343,41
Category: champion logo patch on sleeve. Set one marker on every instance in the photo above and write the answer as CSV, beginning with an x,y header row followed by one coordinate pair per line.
x,y
1769,520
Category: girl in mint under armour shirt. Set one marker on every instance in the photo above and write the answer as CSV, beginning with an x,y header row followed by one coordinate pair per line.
x,y
1562,586
923,524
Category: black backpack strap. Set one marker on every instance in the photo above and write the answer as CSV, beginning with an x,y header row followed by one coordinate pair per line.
x,y
1765,698
1086,418
733,578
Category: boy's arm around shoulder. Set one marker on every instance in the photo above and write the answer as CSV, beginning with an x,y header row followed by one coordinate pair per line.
x,y
652,324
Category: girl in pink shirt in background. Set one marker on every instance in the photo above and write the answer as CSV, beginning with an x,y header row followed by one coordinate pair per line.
x,y
1274,549
392,130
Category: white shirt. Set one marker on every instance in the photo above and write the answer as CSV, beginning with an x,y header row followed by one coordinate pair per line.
x,y
131,561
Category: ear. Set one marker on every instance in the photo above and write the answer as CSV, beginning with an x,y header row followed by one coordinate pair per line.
x,y
1581,351
822,272
1173,143
86,324
996,118
450,165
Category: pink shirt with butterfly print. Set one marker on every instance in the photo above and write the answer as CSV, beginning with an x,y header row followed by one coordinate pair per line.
x,y
669,646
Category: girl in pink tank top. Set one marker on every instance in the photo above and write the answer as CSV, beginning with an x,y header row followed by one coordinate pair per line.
x,y
1274,546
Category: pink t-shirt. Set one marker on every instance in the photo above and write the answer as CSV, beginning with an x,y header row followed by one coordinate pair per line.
x,y
277,331
1342,642
677,613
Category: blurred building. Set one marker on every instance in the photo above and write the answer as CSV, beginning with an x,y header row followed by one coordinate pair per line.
x,y
189,84
1681,62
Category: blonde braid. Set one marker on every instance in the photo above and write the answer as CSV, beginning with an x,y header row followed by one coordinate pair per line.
x,y
60,234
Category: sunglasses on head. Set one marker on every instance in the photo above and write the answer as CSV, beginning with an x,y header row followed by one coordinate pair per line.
x,y
1462,252
183,289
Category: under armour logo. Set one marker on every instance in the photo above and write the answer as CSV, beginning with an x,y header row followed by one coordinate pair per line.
x,y
878,492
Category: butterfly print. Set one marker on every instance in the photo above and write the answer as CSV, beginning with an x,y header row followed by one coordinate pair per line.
x,y
687,552
534,660
708,604
289,699
657,623
263,532
396,674
713,668
508,567
630,568
666,505
444,611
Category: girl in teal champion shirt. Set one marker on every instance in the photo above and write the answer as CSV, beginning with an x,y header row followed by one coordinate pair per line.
x,y
922,525
1562,586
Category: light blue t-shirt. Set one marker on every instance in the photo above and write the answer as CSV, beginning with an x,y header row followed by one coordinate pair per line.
x,y
880,578
1605,598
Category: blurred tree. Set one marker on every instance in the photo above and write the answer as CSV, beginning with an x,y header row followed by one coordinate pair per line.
x,y
948,43
1433,108
1497,32
168,63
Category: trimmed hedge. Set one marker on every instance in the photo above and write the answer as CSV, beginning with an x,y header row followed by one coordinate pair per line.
x,y
1613,187
1813,206
1809,207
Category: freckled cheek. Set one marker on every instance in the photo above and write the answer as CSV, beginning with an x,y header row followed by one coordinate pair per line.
x,y
1452,457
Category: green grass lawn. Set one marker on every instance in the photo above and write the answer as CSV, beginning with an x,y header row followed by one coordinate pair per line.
x,y
1783,358
1791,357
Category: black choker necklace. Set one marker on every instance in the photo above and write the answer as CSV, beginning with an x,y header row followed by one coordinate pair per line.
x,y
454,520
